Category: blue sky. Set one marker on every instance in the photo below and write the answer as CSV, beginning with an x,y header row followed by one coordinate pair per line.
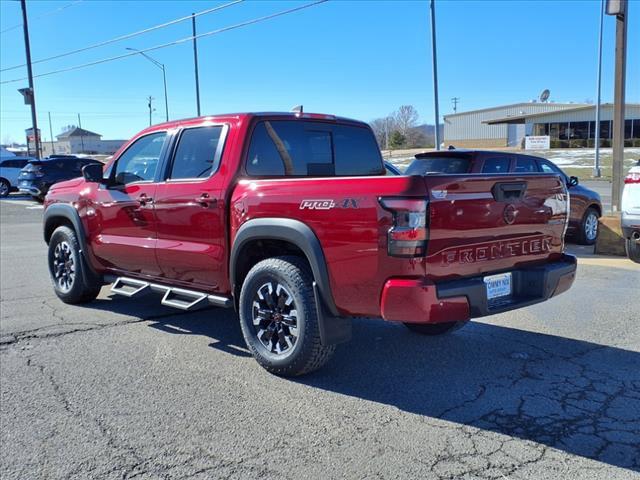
x,y
359,59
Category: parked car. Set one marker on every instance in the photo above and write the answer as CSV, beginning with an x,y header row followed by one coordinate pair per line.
x,y
290,218
9,171
38,175
391,169
586,206
631,213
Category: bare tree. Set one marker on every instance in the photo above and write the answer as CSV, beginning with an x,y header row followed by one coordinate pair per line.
x,y
406,118
382,129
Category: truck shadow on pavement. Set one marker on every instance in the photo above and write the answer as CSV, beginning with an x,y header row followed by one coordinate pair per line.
x,y
579,397
571,395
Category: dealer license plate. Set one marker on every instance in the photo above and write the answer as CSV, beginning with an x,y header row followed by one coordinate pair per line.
x,y
498,285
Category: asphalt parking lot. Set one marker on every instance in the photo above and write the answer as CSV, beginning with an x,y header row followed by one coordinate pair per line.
x,y
124,388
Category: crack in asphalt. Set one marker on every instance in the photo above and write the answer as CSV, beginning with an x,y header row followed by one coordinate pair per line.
x,y
10,339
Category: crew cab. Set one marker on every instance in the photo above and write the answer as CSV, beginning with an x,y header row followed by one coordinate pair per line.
x,y
291,219
586,206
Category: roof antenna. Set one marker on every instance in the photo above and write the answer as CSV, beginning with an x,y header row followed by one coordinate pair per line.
x,y
297,110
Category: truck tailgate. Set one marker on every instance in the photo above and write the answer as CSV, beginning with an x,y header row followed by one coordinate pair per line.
x,y
493,223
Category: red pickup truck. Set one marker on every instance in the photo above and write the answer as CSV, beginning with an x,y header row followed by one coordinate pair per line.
x,y
290,219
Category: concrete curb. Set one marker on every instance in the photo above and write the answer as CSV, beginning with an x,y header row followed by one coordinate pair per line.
x,y
610,240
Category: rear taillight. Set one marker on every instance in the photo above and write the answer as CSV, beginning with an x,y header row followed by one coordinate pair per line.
x,y
409,234
33,170
632,178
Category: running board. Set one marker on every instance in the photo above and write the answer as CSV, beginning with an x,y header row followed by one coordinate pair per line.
x,y
172,296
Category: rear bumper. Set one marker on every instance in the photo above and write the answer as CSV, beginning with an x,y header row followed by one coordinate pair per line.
x,y
421,301
630,222
31,188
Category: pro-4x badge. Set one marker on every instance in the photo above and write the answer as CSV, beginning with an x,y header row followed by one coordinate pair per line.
x,y
327,204
317,204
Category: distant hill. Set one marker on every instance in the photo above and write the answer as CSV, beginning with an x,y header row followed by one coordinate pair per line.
x,y
428,131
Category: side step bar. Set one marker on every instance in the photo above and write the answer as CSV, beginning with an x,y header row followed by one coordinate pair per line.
x,y
173,296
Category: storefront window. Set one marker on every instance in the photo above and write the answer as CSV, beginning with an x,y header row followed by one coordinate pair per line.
x,y
578,130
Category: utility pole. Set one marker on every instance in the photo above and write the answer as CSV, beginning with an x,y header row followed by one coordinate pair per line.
x,y
596,167
435,73
53,150
81,135
32,95
195,60
386,133
455,101
150,99
619,9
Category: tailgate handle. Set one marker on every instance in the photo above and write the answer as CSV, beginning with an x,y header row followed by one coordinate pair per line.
x,y
509,192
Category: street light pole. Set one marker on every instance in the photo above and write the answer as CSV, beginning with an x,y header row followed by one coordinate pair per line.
x,y
596,167
164,78
435,73
51,135
32,96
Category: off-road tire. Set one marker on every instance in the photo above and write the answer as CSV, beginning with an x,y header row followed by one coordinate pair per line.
x,y
583,237
633,249
433,329
5,188
85,286
308,353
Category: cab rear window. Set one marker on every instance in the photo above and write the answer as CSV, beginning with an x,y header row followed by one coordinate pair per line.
x,y
445,164
305,148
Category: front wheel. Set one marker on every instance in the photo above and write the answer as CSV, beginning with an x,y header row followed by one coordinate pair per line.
x,y
433,329
72,282
278,317
633,249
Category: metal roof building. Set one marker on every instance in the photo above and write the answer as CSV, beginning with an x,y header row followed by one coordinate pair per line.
x,y
567,124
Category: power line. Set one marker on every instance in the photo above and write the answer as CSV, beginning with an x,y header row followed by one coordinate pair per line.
x,y
176,42
124,37
46,14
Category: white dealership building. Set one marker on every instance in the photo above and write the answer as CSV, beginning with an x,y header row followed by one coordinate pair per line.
x,y
568,125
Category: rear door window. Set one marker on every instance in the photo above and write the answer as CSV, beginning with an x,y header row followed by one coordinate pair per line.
x,y
13,163
497,164
198,153
445,164
547,167
299,148
525,165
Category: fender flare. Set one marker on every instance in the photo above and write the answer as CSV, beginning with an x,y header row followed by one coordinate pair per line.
x,y
66,211
293,231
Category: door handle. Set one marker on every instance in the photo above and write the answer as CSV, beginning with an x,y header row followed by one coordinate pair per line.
x,y
143,199
206,201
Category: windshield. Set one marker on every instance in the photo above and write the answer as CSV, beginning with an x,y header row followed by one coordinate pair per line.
x,y
445,164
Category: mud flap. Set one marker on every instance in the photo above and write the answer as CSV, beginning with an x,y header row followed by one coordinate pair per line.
x,y
333,330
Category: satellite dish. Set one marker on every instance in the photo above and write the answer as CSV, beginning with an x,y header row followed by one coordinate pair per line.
x,y
544,96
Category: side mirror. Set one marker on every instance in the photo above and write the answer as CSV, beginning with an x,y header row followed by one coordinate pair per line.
x,y
573,181
92,173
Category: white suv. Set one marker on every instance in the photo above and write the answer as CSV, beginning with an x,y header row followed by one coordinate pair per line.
x,y
631,212
9,170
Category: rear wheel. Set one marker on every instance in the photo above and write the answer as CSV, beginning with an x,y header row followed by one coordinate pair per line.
x,y
633,249
589,227
279,319
72,282
433,329
5,188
